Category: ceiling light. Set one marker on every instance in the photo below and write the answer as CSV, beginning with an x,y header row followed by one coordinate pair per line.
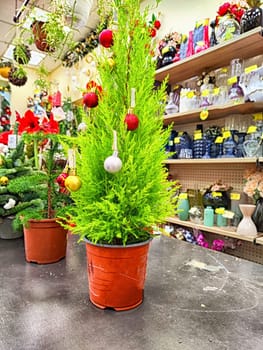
x,y
36,57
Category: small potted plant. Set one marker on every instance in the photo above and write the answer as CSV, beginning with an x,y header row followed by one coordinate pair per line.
x,y
45,238
120,157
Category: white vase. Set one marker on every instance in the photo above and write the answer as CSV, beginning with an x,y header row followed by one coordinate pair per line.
x,y
246,226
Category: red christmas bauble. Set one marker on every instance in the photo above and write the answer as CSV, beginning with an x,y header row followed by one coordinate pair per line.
x,y
132,121
152,32
90,99
61,179
157,24
106,38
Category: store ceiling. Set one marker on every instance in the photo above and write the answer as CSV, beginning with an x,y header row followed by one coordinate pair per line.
x,y
87,20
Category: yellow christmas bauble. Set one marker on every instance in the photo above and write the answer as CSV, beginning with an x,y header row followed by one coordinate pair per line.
x,y
4,180
73,183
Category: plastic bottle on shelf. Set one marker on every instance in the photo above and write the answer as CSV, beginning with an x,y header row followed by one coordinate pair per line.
x,y
183,206
209,216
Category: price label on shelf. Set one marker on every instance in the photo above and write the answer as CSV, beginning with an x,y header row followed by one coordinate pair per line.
x,y
235,196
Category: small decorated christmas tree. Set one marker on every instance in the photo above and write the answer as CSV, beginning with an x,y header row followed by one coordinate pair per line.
x,y
121,152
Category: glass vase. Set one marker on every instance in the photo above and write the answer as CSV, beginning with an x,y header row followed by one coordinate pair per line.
x,y
257,216
246,226
227,28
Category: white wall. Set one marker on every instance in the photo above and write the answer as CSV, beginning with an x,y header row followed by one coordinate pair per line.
x,y
181,15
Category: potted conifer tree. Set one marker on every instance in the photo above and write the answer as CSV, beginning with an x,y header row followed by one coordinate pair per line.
x,y
120,158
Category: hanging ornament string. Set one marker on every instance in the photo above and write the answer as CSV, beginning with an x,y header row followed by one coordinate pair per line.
x,y
131,119
115,144
72,181
72,159
133,91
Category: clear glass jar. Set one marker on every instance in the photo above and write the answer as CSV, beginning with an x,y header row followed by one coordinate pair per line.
x,y
227,28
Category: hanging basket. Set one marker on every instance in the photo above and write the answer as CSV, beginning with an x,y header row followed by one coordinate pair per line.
x,y
40,37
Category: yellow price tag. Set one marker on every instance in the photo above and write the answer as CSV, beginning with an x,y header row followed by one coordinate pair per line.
x,y
183,196
216,91
226,134
258,116
251,129
232,80
204,114
177,140
216,194
198,136
190,94
180,133
235,196
251,68
205,92
219,139
220,211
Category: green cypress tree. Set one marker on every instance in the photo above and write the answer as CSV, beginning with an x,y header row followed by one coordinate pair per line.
x,y
122,207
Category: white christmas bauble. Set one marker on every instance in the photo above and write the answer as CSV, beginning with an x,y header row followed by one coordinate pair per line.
x,y
112,164
82,127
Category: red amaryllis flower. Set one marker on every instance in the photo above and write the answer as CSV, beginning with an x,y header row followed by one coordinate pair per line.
x,y
50,126
223,9
4,136
29,123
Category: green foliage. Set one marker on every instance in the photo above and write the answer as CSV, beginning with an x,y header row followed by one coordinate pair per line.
x,y
121,208
35,192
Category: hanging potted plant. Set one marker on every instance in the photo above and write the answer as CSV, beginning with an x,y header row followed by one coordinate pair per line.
x,y
21,53
124,190
45,238
56,33
17,76
42,82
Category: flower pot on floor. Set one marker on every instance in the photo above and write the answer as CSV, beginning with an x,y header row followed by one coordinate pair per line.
x,y
6,229
116,274
45,241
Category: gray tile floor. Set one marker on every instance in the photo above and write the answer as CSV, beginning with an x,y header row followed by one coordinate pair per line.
x,y
195,299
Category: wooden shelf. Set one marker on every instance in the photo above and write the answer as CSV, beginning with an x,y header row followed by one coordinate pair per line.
x,y
215,112
252,160
227,231
245,46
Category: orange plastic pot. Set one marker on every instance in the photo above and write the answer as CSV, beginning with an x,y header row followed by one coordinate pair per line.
x,y
116,274
45,241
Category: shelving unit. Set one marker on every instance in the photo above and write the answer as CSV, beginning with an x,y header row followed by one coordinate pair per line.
x,y
199,173
215,112
221,161
246,46
226,231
